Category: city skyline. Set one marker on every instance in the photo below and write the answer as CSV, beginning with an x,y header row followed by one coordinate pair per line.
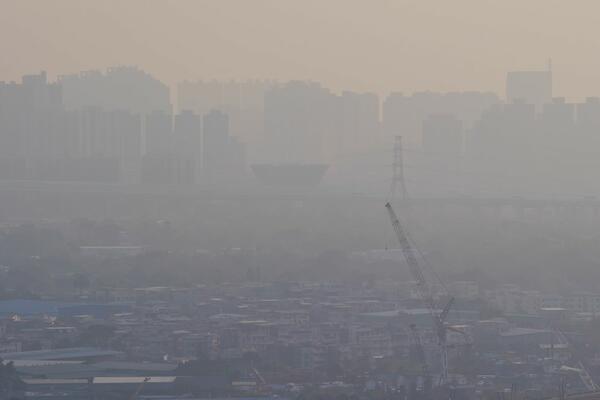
x,y
381,46
119,126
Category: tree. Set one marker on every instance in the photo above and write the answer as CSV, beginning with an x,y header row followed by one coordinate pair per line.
x,y
9,380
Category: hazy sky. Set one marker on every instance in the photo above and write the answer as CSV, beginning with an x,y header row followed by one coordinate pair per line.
x,y
377,45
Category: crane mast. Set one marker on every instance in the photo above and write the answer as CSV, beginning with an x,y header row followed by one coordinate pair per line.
x,y
424,291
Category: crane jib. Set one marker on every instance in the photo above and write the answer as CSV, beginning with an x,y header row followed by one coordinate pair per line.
x,y
424,290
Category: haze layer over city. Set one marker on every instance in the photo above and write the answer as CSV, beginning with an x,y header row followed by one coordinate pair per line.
x,y
285,199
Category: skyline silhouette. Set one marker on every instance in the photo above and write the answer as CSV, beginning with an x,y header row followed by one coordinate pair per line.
x,y
119,126
379,46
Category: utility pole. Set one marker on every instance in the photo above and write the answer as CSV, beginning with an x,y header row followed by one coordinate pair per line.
x,y
398,183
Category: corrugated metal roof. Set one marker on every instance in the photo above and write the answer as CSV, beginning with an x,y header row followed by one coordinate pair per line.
x,y
137,366
133,379
55,381
60,354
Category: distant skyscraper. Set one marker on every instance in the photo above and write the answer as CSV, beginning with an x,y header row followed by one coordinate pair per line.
x,y
159,133
204,96
442,152
200,96
119,88
360,121
187,134
442,134
557,119
216,139
42,140
588,117
302,123
223,157
39,94
32,125
533,87
404,114
187,145
500,149
243,102
237,155
161,164
111,141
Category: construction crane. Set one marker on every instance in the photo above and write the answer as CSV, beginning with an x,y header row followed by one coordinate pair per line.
x,y
425,293
135,394
262,382
578,355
